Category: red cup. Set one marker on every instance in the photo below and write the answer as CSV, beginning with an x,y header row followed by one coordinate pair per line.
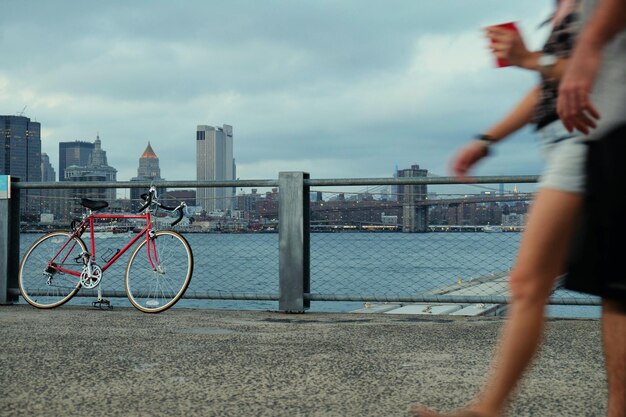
x,y
501,63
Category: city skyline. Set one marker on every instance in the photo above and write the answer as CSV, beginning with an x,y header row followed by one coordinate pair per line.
x,y
334,89
86,162
81,160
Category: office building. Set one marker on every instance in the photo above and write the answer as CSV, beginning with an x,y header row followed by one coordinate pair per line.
x,y
149,165
95,170
48,196
20,156
47,170
147,171
215,162
20,148
73,153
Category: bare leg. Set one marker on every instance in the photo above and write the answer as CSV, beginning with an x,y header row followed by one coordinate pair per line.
x,y
614,334
540,261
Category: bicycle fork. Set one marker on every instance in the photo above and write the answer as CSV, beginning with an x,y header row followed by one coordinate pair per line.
x,y
153,257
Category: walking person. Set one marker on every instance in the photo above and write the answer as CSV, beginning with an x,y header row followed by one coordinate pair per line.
x,y
551,221
592,99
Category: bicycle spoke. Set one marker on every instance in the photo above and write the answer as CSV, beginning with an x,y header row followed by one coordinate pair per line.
x,y
44,277
156,280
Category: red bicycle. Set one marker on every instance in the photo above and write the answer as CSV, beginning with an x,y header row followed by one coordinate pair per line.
x,y
158,272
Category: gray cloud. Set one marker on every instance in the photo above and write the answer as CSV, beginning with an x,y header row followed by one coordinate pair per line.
x,y
339,88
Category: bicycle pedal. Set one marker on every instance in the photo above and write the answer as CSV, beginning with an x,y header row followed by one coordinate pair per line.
x,y
99,303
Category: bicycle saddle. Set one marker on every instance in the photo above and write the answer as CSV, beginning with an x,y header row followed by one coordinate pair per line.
x,y
94,205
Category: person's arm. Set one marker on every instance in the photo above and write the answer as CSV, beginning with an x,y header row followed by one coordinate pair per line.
x,y
608,19
473,152
574,105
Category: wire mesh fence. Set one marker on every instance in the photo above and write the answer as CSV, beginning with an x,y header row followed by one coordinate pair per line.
x,y
365,245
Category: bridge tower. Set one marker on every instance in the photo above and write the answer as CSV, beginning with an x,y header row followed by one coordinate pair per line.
x,y
414,218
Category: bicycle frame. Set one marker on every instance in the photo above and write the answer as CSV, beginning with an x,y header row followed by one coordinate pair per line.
x,y
88,223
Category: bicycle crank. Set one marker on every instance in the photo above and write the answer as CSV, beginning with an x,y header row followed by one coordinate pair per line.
x,y
91,280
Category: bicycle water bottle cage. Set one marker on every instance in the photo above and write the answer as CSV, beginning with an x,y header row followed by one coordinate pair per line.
x,y
93,205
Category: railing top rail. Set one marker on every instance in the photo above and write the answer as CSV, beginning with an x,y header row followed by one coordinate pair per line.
x,y
422,180
274,183
144,184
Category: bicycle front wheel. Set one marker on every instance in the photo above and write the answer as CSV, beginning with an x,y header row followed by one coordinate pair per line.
x,y
49,273
159,271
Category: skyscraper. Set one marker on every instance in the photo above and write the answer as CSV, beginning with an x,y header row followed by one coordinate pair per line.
x,y
95,169
73,153
215,162
20,148
149,165
20,156
47,171
49,198
148,171
98,162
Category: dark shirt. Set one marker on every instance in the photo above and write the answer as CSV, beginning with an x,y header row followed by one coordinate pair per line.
x,y
560,43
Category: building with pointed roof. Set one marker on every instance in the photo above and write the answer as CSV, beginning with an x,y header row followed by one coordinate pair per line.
x,y
149,153
149,165
148,170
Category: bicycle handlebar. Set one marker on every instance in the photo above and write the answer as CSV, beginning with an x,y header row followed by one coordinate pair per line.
x,y
179,209
149,199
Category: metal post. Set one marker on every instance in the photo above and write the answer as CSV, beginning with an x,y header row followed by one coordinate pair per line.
x,y
9,239
294,244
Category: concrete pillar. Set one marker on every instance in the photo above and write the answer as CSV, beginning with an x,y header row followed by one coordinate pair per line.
x,y
294,243
9,238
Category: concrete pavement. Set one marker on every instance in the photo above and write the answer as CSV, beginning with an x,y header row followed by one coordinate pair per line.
x,y
77,361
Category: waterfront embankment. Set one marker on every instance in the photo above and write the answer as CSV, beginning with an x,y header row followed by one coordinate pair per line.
x,y
76,361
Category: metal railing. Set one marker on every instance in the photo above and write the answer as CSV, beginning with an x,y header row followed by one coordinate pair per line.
x,y
302,251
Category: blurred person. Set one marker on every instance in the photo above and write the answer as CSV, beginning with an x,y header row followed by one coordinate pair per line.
x,y
592,99
545,243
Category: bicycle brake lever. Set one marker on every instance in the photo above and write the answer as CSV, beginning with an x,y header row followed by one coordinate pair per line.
x,y
179,209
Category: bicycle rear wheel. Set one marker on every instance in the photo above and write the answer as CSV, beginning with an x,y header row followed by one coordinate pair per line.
x,y
40,281
158,274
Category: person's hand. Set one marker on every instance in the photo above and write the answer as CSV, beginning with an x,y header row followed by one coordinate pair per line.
x,y
574,105
467,157
508,45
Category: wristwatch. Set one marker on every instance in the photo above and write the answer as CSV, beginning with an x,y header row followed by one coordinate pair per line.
x,y
545,62
486,142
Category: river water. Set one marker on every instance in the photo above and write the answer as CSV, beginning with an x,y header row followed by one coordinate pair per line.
x,y
349,264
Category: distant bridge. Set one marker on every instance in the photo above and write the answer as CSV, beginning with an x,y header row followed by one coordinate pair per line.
x,y
361,204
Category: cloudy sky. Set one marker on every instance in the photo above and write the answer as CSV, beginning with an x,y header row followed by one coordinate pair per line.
x,y
341,88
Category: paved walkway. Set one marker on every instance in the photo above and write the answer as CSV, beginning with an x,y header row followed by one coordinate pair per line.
x,y
79,361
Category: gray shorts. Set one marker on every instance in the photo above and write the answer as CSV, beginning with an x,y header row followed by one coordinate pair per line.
x,y
564,155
